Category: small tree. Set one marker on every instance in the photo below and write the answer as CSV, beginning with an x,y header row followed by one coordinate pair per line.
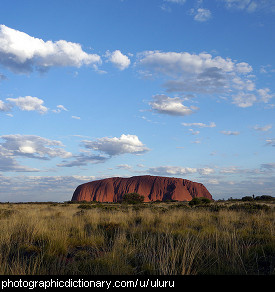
x,y
194,202
132,198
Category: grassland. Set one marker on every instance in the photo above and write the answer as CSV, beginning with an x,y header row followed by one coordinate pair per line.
x,y
220,238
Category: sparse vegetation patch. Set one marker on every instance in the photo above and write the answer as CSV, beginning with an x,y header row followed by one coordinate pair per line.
x,y
175,238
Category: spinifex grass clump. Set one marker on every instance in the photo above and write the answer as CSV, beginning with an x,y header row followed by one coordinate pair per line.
x,y
152,239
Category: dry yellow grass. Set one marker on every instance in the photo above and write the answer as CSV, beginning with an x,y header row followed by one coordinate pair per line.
x,y
162,239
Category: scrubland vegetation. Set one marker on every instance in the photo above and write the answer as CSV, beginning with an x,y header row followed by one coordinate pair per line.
x,y
173,238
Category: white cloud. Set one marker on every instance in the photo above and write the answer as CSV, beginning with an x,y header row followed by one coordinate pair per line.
x,y
263,128
196,142
8,163
264,94
244,100
82,160
59,109
178,170
172,170
196,73
176,1
173,63
194,132
270,142
267,69
202,14
213,181
243,67
230,133
76,118
29,103
204,74
124,166
206,171
250,5
200,125
22,53
33,146
118,59
243,84
116,146
4,107
230,170
26,188
170,106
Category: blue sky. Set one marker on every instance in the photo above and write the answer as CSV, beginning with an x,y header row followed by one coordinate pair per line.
x,y
101,88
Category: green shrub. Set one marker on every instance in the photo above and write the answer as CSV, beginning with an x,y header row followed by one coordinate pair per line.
x,y
199,201
132,198
249,207
264,198
247,198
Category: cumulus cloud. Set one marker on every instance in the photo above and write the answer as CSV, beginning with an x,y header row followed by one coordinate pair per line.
x,y
243,99
117,146
265,95
173,63
29,103
118,59
33,146
204,74
8,162
21,53
171,106
243,67
195,73
109,146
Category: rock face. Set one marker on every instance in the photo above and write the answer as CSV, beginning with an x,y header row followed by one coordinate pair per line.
x,y
151,187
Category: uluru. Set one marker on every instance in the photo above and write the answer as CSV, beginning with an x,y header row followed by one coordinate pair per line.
x,y
153,188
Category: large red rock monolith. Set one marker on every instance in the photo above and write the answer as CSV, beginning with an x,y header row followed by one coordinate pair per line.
x,y
153,188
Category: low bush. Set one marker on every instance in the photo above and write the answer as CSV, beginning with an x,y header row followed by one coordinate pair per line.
x,y
247,198
199,201
249,207
264,198
132,198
